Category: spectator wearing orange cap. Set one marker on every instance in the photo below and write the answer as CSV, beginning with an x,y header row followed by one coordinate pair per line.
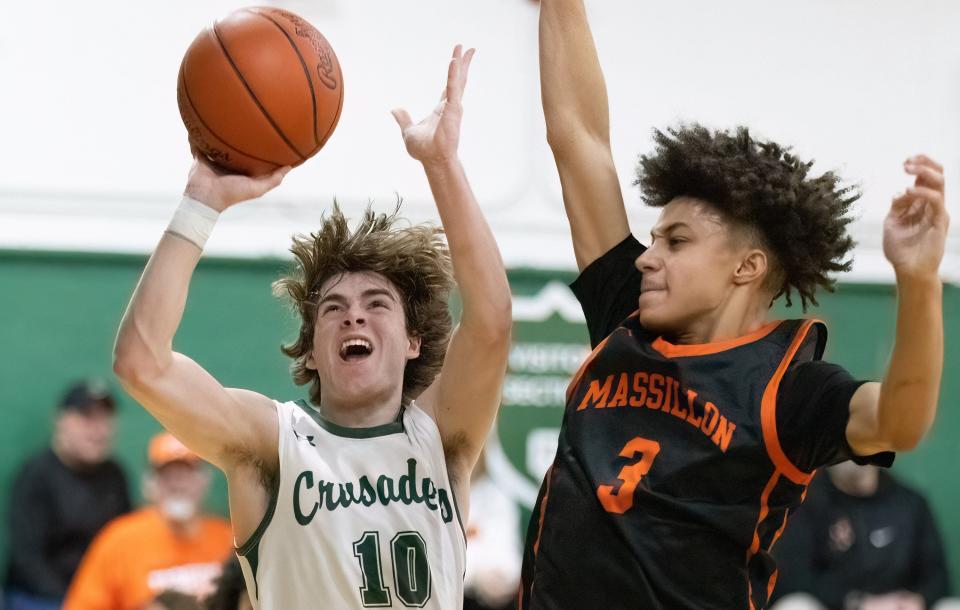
x,y
168,545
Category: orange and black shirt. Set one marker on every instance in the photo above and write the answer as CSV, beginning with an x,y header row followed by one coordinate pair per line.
x,y
678,465
138,556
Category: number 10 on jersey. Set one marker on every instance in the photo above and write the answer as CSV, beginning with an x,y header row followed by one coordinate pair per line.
x,y
411,571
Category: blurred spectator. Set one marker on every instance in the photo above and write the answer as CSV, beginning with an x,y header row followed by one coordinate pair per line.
x,y
173,600
231,590
168,545
493,545
62,497
861,541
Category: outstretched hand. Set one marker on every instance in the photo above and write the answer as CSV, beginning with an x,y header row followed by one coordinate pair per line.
x,y
915,230
219,189
435,138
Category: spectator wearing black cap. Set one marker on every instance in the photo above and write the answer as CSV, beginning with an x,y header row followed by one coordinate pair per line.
x,y
62,497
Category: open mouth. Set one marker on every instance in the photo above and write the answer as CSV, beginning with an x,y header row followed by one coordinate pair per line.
x,y
355,349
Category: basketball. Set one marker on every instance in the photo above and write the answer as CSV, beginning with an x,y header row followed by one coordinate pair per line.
x,y
259,89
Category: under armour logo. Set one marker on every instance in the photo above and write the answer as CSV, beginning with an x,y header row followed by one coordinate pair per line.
x,y
306,437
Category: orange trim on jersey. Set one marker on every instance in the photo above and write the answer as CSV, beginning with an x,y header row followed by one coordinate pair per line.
x,y
670,350
583,367
768,412
536,543
543,511
755,544
786,517
772,583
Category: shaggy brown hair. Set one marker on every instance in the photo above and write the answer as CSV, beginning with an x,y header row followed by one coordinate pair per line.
x,y
763,188
414,258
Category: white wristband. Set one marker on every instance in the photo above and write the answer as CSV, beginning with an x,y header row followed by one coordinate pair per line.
x,y
193,221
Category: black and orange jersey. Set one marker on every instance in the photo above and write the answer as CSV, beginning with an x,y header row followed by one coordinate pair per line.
x,y
670,483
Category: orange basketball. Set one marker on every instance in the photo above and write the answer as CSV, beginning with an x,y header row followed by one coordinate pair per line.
x,y
259,89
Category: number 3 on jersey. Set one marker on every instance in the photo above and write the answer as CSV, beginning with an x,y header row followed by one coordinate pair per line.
x,y
620,500
411,571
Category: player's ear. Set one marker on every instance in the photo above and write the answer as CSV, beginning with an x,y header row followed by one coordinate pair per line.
x,y
310,363
413,347
752,267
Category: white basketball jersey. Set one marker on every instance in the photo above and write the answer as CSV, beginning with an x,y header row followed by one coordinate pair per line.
x,y
364,518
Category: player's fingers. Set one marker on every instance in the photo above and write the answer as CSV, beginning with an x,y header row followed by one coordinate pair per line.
x,y
204,161
402,117
902,204
451,92
277,176
933,196
465,68
201,159
926,176
922,159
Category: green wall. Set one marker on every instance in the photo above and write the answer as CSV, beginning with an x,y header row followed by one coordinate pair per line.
x,y
59,313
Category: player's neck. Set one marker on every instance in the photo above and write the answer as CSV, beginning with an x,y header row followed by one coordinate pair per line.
x,y
732,320
364,413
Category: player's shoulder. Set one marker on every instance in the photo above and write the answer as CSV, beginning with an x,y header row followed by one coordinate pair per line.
x,y
281,405
417,418
617,261
807,375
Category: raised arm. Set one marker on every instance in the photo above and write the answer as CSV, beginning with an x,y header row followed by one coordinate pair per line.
x,y
466,395
895,414
578,129
221,425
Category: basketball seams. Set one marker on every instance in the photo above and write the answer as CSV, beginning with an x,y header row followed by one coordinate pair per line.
x,y
253,96
306,73
333,123
199,117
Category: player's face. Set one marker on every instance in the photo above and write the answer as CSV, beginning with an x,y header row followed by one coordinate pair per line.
x,y
688,268
360,340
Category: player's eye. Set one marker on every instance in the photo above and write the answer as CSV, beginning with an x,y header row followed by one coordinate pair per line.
x,y
330,308
378,303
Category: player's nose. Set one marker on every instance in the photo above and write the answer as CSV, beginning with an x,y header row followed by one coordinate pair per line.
x,y
647,261
354,317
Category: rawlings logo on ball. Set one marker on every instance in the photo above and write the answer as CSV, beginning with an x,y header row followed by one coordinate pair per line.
x,y
326,72
325,69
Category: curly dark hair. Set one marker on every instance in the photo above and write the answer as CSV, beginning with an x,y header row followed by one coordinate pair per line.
x,y
762,187
414,258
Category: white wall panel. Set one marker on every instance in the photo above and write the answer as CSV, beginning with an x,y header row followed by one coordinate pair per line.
x,y
93,153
